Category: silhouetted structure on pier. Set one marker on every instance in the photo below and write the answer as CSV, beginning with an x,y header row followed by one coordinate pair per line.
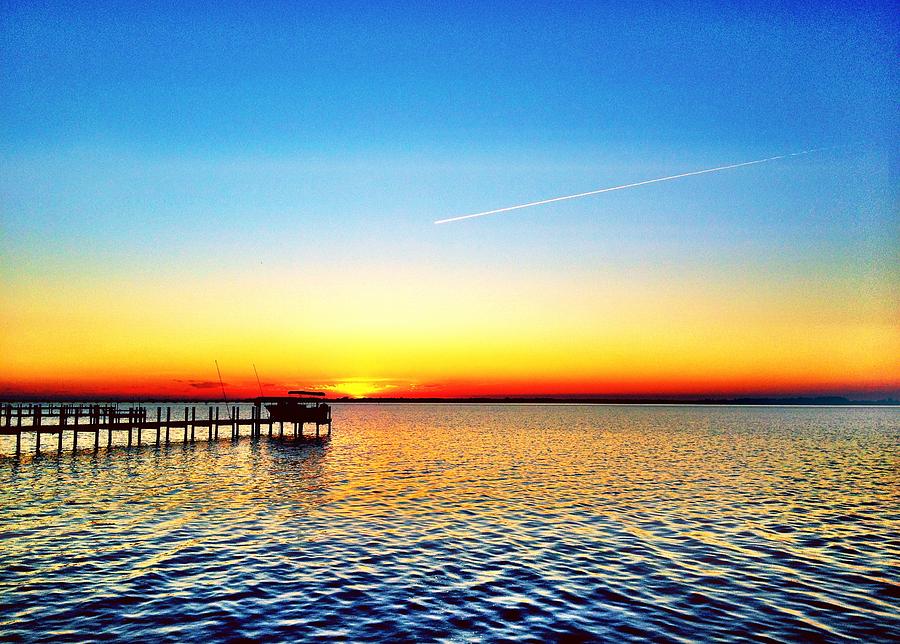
x,y
40,419
305,407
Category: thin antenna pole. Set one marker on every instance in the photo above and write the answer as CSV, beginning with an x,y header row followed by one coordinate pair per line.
x,y
222,384
257,379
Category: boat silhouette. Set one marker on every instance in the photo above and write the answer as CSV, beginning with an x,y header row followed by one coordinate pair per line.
x,y
298,407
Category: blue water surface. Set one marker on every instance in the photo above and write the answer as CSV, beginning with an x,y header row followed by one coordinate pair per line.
x,y
468,523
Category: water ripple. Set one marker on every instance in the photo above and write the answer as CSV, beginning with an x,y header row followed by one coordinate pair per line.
x,y
431,523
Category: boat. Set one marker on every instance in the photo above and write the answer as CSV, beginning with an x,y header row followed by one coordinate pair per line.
x,y
298,407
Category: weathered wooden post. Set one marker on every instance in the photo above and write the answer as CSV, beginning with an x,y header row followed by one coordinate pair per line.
x,y
36,422
193,422
19,432
217,422
77,417
96,433
62,424
185,424
168,422
74,434
158,423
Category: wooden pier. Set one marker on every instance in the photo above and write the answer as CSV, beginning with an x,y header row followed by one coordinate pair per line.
x,y
164,426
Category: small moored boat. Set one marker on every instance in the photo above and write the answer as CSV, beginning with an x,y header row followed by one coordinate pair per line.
x,y
299,407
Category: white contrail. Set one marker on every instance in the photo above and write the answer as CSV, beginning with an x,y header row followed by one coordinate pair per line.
x,y
627,185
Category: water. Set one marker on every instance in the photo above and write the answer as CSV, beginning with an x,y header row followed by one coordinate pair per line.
x,y
440,522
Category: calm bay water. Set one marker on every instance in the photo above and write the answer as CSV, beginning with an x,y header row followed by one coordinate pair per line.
x,y
469,522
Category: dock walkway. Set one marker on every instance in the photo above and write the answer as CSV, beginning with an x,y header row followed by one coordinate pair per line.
x,y
41,419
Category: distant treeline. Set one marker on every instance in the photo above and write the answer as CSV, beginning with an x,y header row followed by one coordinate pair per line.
x,y
796,400
582,400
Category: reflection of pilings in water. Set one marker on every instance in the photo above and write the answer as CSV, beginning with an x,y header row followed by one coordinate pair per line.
x,y
18,419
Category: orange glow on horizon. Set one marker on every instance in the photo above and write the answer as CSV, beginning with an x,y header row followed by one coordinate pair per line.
x,y
247,388
456,335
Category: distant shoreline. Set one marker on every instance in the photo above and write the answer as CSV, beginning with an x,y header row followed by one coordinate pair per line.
x,y
829,401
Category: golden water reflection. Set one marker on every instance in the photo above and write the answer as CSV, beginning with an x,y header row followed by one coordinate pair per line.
x,y
508,520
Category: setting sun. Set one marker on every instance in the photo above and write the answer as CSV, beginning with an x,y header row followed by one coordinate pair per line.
x,y
356,388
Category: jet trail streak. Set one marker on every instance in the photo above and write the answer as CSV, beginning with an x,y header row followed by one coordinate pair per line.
x,y
627,185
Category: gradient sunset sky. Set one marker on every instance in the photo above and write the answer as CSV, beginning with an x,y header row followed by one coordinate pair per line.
x,y
255,183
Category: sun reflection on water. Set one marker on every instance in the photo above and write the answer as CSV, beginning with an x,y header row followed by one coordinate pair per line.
x,y
473,521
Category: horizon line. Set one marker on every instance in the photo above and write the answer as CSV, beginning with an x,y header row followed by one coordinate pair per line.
x,y
843,399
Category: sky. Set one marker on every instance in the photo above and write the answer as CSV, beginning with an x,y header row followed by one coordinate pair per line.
x,y
256,183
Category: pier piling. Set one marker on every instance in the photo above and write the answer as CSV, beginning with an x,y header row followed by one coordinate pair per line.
x,y
62,424
41,419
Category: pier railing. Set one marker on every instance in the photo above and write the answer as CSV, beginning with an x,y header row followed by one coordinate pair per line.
x,y
137,424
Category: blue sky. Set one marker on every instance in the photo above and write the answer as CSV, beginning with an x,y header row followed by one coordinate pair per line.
x,y
339,77
517,95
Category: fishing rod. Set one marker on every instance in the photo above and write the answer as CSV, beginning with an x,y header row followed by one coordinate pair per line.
x,y
257,380
222,384
261,394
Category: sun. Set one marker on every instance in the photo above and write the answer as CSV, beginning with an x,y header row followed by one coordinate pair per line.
x,y
355,388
